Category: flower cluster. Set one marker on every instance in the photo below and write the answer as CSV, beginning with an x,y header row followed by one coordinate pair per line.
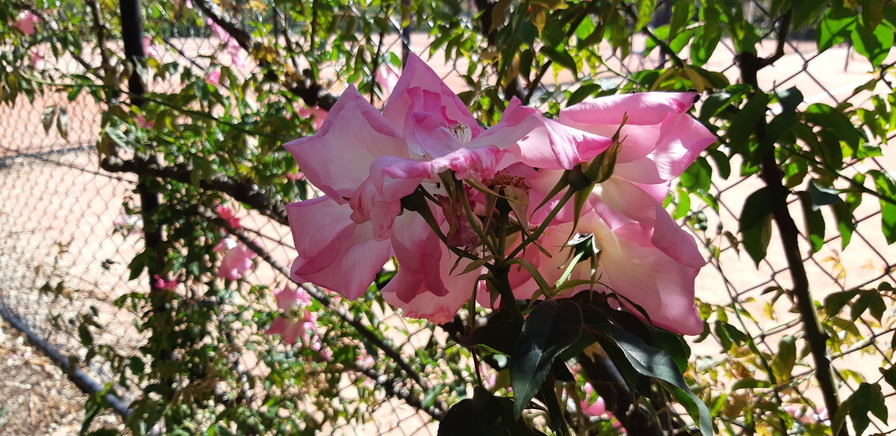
x,y
422,182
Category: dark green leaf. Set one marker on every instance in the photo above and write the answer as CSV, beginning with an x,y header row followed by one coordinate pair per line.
x,y
889,375
755,219
548,330
886,188
744,123
814,221
834,303
871,301
845,222
821,196
653,362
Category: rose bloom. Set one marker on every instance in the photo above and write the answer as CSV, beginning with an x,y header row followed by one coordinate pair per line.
x,y
367,161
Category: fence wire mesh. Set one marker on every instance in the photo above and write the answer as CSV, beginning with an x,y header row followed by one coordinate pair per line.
x,y
66,237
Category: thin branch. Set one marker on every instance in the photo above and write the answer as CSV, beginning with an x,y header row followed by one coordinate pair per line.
x,y
307,88
244,192
772,175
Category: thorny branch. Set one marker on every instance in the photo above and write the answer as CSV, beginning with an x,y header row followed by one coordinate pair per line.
x,y
771,174
244,192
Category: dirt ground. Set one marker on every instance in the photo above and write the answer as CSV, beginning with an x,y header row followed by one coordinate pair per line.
x,y
38,398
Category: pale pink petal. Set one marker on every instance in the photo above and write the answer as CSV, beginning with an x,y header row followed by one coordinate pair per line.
x,y
336,159
420,89
315,113
334,252
286,298
144,123
659,139
236,53
149,48
630,266
427,284
36,59
549,144
224,212
164,284
218,31
224,244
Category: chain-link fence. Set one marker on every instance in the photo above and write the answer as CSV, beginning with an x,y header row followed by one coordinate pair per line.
x,y
67,235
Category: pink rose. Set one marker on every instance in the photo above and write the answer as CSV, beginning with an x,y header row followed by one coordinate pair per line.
x,y
25,22
368,162
237,262
213,77
164,283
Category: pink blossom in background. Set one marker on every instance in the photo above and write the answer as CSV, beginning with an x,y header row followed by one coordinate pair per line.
x,y
25,22
297,175
226,213
233,47
164,283
225,244
806,416
291,302
149,48
237,262
592,408
144,123
213,77
386,77
317,114
36,59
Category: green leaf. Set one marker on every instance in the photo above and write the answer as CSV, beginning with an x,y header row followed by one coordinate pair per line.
x,y
653,362
834,30
874,45
484,414
834,303
755,219
804,11
814,221
821,196
889,375
845,222
707,37
867,398
785,359
871,301
744,123
548,330
872,12
886,188
750,383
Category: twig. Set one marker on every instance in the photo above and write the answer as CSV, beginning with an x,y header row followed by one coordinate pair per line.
x,y
244,192
308,90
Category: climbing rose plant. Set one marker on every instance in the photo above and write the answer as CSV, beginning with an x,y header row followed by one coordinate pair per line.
x,y
509,217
